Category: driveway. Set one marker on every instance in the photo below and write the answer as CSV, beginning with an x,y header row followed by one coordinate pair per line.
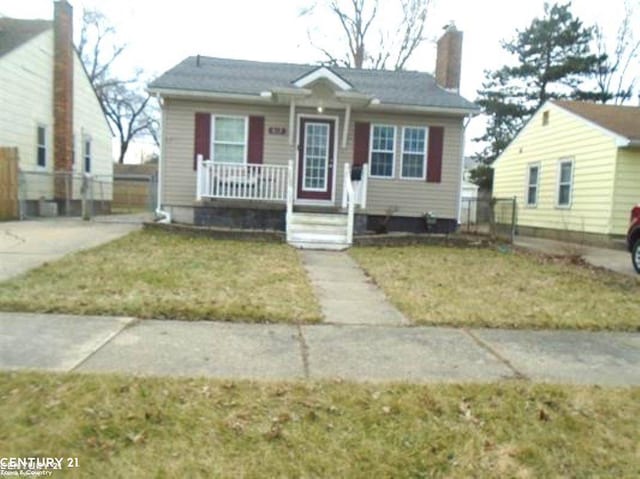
x,y
27,244
617,260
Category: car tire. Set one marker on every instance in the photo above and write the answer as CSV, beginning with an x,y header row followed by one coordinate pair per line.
x,y
635,255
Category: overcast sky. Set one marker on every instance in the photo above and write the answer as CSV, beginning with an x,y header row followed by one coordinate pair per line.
x,y
162,33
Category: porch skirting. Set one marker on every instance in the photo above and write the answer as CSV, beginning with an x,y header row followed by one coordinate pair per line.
x,y
248,215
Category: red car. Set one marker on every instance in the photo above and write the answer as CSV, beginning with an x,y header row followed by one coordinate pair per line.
x,y
633,237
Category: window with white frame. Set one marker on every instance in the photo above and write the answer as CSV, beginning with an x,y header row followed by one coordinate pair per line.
x,y
41,150
382,150
532,185
229,139
565,180
414,153
86,154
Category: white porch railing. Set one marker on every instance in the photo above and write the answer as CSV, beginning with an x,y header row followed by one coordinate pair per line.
x,y
359,187
243,182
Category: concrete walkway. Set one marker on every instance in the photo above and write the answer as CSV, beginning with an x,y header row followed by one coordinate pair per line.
x,y
289,352
345,293
617,260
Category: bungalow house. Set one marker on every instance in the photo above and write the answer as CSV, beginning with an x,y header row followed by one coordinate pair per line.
x,y
317,151
574,169
50,113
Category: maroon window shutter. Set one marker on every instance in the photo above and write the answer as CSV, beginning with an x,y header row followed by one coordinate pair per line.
x,y
361,143
434,155
202,137
256,139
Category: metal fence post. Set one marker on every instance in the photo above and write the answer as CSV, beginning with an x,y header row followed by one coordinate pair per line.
x,y
84,190
513,219
67,193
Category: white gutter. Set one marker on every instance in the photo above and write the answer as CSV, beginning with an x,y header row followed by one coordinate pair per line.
x,y
389,107
197,94
161,215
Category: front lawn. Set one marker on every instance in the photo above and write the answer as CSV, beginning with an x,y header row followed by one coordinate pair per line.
x,y
141,427
500,289
163,275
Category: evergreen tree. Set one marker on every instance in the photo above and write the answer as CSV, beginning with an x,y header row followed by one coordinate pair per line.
x,y
554,59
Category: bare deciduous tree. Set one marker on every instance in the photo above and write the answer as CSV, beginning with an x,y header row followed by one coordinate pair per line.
x,y
371,42
613,75
124,101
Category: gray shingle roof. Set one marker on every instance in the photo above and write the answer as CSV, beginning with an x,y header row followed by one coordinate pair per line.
x,y
251,78
14,32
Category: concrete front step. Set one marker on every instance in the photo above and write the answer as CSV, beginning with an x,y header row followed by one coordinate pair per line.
x,y
319,219
314,236
318,231
319,245
317,228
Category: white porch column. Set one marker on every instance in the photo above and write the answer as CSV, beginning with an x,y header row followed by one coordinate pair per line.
x,y
345,129
292,122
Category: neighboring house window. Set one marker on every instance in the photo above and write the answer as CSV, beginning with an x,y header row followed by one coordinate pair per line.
x,y
229,135
86,154
532,185
414,153
41,154
382,150
565,177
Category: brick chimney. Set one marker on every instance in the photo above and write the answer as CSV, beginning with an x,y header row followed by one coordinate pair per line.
x,y
449,59
62,93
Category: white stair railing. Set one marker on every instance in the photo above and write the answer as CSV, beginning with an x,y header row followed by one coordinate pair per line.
x,y
289,214
350,199
359,187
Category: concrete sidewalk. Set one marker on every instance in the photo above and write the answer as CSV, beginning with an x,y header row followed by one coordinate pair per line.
x,y
289,352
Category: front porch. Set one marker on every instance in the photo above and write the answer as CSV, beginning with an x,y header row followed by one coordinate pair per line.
x,y
267,197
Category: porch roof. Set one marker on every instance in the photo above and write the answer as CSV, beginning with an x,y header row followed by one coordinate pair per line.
x,y
251,78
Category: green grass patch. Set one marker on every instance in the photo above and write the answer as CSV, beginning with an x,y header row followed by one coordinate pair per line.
x,y
488,288
142,427
162,275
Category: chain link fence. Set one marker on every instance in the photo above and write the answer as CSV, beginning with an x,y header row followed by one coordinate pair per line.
x,y
494,217
43,193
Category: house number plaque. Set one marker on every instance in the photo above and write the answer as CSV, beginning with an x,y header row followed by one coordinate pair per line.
x,y
277,130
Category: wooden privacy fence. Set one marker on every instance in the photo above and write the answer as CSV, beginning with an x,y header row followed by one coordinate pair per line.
x,y
9,206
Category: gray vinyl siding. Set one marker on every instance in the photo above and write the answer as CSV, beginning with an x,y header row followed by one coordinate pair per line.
x,y
411,197
415,197
179,182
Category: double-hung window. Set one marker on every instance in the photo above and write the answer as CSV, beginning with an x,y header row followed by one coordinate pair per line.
x,y
414,153
229,139
86,154
533,181
382,150
565,180
41,150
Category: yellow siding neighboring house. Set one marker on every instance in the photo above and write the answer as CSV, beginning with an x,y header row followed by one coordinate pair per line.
x,y
627,188
594,190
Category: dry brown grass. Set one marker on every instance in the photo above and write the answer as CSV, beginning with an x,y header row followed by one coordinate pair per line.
x,y
137,427
492,288
161,275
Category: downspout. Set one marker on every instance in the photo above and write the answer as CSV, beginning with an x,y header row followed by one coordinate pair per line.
x,y
162,216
